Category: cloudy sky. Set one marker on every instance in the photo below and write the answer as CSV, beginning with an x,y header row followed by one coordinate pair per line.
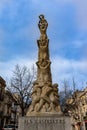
x,y
67,32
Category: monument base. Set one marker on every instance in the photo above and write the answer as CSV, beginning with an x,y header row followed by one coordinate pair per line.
x,y
45,122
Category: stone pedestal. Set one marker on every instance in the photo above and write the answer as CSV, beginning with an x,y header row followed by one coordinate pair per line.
x,y
44,112
45,122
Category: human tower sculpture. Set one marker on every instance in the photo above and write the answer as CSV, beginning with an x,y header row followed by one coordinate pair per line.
x,y
45,98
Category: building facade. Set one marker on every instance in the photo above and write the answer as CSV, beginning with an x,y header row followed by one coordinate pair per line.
x,y
9,107
76,106
2,94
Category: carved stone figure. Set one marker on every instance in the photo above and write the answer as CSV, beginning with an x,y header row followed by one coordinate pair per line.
x,y
44,74
43,49
35,98
45,96
42,26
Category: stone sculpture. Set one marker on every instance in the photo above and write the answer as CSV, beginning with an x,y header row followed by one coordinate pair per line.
x,y
45,96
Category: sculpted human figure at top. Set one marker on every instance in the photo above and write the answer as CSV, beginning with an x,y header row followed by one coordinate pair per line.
x,y
43,27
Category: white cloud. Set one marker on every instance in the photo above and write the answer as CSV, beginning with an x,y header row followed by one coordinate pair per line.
x,y
62,68
78,43
81,13
7,68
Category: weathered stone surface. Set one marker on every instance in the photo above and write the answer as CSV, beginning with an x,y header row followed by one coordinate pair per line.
x,y
45,96
44,112
45,122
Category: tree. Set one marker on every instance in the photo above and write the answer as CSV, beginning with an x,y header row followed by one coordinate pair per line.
x,y
65,93
73,84
69,87
21,83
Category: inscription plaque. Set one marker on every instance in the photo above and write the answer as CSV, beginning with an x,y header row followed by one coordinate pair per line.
x,y
45,123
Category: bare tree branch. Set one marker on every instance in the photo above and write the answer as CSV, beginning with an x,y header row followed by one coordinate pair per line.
x,y
22,83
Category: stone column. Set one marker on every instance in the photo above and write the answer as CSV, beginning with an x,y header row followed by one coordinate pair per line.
x,y
45,96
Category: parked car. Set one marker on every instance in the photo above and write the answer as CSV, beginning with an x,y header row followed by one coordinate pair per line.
x,y
10,127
